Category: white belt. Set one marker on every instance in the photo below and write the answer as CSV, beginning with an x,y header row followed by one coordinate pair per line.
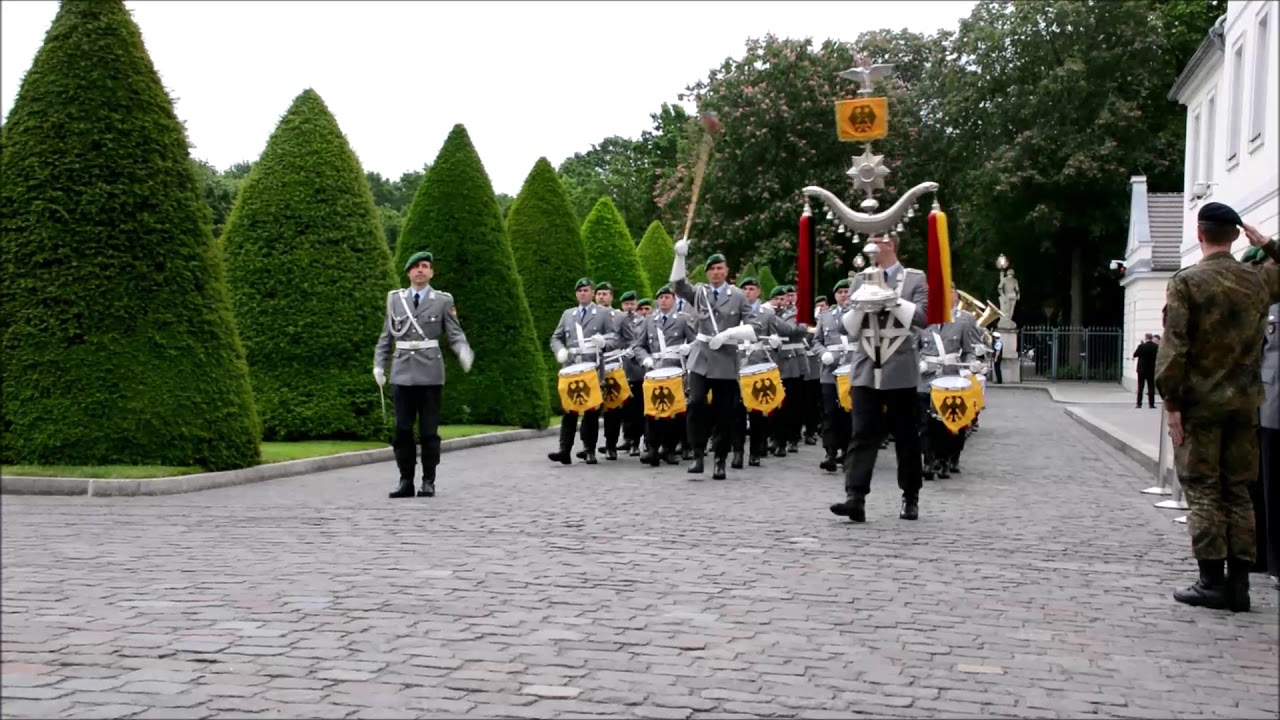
x,y
417,344
707,339
793,346
669,355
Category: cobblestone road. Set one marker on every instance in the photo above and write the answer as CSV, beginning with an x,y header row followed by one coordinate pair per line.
x,y
1035,584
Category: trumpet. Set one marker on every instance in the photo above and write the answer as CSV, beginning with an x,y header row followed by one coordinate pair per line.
x,y
987,312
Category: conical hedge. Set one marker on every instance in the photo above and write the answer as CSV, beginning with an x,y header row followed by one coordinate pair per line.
x,y
119,345
766,280
309,271
550,256
611,253
656,252
455,216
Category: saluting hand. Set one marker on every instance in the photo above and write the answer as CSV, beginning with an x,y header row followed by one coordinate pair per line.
x,y
1174,421
1256,238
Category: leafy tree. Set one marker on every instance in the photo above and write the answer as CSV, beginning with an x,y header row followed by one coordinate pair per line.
x,y
219,193
304,245
119,342
455,216
611,253
392,223
656,252
550,256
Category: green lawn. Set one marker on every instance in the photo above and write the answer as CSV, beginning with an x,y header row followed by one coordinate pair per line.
x,y
272,452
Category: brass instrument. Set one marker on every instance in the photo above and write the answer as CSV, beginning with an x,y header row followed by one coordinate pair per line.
x,y
987,312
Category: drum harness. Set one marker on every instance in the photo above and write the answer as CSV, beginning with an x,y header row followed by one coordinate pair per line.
x,y
875,335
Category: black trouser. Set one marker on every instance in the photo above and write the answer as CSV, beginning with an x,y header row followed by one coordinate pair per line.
x,y
725,403
760,427
590,430
420,403
870,423
633,414
663,436
995,365
926,423
836,421
811,406
740,426
785,421
1269,478
1147,378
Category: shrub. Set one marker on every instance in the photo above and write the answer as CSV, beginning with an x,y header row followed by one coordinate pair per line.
x,y
656,253
455,216
547,243
611,253
766,280
119,343
309,270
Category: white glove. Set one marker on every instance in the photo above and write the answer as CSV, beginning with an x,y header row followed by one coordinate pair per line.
x,y
647,363
562,356
828,358
905,312
686,348
465,357
924,367
682,247
716,341
380,376
775,342
975,366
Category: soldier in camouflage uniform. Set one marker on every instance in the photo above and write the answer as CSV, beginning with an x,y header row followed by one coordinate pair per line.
x,y
1208,371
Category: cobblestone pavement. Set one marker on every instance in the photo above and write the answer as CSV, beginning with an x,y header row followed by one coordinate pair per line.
x,y
1035,584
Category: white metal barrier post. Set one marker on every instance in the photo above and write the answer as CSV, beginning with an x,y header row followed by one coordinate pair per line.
x,y
1168,474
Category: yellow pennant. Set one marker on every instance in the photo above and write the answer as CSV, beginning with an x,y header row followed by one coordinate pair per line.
x,y
955,406
664,397
844,390
616,389
762,391
862,119
580,388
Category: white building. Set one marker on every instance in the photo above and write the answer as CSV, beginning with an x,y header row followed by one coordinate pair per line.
x,y
1229,88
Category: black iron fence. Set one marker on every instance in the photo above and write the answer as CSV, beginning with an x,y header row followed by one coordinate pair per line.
x,y
1071,353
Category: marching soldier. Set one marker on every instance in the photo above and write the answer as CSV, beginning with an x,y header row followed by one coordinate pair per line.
x,y
580,337
793,364
644,307
614,341
833,348
787,339
665,339
885,374
751,290
722,319
417,317
631,326
958,337
811,406
773,331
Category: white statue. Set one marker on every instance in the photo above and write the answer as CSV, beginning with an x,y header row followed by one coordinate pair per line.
x,y
1009,295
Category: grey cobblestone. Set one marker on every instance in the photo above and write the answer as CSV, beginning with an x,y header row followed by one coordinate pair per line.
x,y
1035,584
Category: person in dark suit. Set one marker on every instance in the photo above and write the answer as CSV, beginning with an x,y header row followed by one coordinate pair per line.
x,y
1146,355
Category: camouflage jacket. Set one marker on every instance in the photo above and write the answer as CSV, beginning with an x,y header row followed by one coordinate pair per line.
x,y
1215,312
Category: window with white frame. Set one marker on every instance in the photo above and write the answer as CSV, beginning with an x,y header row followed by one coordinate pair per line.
x,y
1237,102
1193,157
1211,114
1258,119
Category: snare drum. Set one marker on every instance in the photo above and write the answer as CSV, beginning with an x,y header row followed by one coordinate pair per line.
x,y
664,393
952,401
579,386
982,392
844,386
761,386
615,389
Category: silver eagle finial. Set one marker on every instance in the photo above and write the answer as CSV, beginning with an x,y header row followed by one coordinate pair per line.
x,y
867,77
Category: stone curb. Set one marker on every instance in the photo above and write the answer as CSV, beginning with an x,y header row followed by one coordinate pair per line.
x,y
1145,454
102,487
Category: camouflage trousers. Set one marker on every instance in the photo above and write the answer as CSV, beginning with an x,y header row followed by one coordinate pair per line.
x,y
1216,463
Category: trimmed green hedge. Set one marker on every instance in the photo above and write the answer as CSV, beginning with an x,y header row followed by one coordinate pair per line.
x,y
309,271
656,253
119,345
550,256
767,281
611,253
455,216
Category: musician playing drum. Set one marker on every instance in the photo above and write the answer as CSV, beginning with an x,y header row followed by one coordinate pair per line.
x,y
833,348
663,343
580,337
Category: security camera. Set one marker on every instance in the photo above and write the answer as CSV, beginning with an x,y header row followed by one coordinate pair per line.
x,y
1116,265
1200,189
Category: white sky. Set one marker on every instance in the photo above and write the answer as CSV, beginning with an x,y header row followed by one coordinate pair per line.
x,y
527,79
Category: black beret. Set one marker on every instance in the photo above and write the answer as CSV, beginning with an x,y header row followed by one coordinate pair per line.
x,y
1215,213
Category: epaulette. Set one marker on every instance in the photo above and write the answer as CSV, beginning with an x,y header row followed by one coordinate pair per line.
x,y
441,292
915,271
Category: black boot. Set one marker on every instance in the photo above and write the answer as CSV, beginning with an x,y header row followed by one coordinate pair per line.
x,y
1238,585
634,450
736,463
793,447
717,473
562,456
1209,591
610,452
671,458
829,462
855,508
590,459
910,508
811,439
753,460
428,485
405,490
926,469
651,457
955,466
696,468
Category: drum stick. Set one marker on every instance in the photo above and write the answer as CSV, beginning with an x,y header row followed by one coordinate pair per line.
x,y
712,125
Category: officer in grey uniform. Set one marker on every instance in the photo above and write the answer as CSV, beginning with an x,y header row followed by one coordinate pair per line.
x,y
811,384
834,349
792,363
630,327
580,337
612,418
722,319
885,374
665,339
774,332
417,317
958,337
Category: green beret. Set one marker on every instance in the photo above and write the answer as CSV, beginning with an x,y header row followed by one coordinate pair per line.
x,y
604,286
791,288
715,258
820,299
645,302
584,282
748,281
778,291
842,283
1253,256
418,257
665,290
628,295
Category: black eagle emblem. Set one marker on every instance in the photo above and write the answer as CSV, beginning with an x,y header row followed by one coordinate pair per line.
x,y
578,391
612,389
862,118
764,391
662,398
954,407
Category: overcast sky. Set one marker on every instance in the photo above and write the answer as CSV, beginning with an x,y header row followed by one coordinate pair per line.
x,y
527,79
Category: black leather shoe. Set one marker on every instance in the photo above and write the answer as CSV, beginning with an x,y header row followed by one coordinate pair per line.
x,y
404,491
718,473
855,508
736,463
590,459
910,509
1209,591
696,468
581,454
561,457
428,490
828,463
610,453
601,449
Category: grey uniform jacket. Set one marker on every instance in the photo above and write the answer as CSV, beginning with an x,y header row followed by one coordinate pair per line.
x,y
768,322
631,327
793,355
957,337
1269,413
565,336
674,330
405,331
831,338
902,368
709,318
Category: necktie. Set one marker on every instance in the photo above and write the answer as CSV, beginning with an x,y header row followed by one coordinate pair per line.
x,y
415,299
582,314
664,321
716,293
